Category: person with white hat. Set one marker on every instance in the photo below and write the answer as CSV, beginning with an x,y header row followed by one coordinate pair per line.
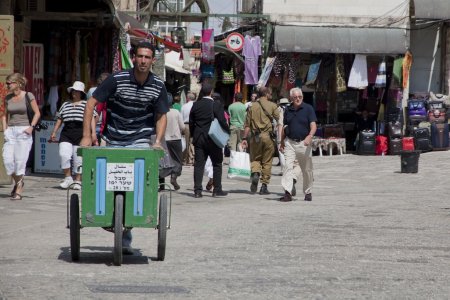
x,y
71,114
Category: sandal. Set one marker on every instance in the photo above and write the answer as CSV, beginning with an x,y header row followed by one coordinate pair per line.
x,y
16,197
13,192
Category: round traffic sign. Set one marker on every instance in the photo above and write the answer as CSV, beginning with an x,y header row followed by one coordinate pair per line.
x,y
235,41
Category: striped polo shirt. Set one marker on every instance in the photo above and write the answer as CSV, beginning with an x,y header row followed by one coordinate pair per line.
x,y
131,107
70,112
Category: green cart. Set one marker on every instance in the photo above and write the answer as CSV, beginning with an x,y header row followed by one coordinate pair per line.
x,y
119,191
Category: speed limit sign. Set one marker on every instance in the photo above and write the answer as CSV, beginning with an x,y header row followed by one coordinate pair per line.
x,y
235,41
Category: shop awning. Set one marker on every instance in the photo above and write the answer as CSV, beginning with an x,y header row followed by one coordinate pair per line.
x,y
340,40
137,29
172,62
432,9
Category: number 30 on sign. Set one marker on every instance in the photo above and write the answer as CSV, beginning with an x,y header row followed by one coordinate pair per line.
x,y
235,41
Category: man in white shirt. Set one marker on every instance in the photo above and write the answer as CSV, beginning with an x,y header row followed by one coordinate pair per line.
x,y
188,154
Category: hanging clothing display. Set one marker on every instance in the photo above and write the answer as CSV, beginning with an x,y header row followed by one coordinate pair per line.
x,y
293,67
358,74
266,71
397,73
158,67
313,72
208,46
341,85
381,76
251,52
407,63
53,98
302,73
372,73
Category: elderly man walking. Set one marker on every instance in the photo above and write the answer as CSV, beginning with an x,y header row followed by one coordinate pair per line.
x,y
299,128
259,133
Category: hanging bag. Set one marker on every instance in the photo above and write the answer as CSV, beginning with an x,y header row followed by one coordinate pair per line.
x,y
219,136
239,166
30,114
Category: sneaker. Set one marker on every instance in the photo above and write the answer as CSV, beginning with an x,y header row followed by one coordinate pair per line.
x,y
66,182
76,185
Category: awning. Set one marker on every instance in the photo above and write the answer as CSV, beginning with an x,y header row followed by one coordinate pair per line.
x,y
124,18
340,40
172,62
432,9
137,29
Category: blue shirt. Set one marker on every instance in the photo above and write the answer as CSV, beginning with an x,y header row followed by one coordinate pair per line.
x,y
131,107
298,121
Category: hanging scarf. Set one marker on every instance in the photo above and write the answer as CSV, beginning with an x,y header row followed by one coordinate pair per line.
x,y
397,73
208,46
341,86
358,73
381,76
407,63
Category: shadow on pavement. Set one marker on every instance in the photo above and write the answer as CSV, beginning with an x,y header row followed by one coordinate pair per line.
x,y
104,255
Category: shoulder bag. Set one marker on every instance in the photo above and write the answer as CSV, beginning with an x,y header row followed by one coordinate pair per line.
x,y
219,136
30,114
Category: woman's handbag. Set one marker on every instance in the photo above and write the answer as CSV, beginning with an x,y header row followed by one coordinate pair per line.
x,y
239,166
30,114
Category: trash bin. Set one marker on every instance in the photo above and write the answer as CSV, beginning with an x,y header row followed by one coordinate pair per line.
x,y
410,161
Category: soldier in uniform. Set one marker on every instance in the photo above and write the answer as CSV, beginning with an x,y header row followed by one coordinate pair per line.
x,y
259,136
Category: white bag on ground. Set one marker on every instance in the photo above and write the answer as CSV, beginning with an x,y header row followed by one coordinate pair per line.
x,y
239,166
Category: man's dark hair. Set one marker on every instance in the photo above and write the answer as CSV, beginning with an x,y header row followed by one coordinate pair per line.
x,y
217,97
206,89
238,97
263,91
145,44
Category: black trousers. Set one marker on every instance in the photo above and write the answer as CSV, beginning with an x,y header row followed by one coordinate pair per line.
x,y
175,149
203,149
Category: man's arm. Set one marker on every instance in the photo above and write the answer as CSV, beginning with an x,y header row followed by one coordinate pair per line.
x,y
161,123
87,141
312,132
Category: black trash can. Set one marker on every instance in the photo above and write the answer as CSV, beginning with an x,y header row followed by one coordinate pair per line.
x,y
410,161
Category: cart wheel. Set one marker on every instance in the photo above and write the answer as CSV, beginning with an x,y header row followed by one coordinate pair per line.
x,y
118,229
162,227
74,227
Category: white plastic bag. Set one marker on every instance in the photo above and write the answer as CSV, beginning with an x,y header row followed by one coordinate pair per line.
x,y
183,143
208,172
239,166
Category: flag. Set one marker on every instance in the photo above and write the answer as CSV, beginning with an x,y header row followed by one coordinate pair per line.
x,y
125,60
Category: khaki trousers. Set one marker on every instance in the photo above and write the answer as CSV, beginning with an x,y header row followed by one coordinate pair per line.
x,y
303,154
235,138
261,156
188,154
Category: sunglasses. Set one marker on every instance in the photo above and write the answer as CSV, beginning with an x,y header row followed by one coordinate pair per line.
x,y
10,82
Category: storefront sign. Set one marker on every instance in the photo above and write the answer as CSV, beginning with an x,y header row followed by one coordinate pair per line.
x,y
235,41
6,44
33,65
46,155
